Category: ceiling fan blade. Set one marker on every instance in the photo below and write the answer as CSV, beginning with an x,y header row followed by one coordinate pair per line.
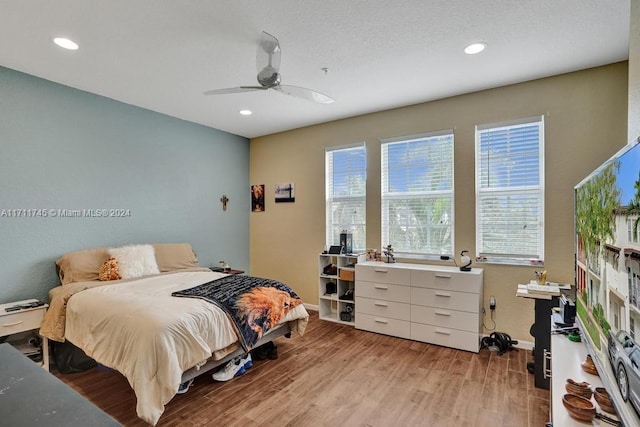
x,y
268,53
234,90
305,93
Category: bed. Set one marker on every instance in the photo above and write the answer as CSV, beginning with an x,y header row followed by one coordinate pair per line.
x,y
135,325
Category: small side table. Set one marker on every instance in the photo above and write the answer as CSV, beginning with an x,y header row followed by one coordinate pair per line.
x,y
26,319
230,271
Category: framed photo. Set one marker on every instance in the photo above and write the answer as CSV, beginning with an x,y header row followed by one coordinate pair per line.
x,y
285,193
257,198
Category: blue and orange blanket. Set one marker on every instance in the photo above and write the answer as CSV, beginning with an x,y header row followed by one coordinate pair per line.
x,y
255,305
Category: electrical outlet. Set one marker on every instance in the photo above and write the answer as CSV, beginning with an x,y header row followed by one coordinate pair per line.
x,y
492,303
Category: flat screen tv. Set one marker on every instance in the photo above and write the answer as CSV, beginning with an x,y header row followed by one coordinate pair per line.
x,y
607,224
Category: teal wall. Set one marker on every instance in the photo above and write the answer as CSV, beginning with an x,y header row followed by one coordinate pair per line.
x,y
62,148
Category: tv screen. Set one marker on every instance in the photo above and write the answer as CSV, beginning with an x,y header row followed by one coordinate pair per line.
x,y
607,213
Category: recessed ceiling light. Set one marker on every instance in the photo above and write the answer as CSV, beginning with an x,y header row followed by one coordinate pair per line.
x,y
65,43
474,48
246,112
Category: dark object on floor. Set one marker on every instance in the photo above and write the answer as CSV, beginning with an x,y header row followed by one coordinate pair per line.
x,y
69,358
531,367
502,341
265,351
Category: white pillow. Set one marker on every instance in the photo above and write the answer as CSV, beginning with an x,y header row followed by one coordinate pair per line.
x,y
135,260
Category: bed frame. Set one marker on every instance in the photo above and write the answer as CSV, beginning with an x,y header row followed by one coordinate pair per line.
x,y
281,330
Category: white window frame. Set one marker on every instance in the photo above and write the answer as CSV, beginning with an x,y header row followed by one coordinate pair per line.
x,y
330,198
536,259
387,196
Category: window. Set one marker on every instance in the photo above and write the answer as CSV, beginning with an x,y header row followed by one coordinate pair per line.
x,y
417,194
345,178
510,192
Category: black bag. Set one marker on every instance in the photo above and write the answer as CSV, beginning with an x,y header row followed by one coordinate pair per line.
x,y
69,358
331,288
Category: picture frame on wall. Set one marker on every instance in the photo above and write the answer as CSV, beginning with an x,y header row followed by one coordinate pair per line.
x,y
285,193
257,198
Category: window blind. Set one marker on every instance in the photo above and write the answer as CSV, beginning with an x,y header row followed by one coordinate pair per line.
x,y
510,192
417,194
346,191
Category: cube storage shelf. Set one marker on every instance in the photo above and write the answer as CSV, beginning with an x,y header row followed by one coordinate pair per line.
x,y
330,304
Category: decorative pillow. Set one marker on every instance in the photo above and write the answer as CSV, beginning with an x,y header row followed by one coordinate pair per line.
x,y
175,256
135,260
80,266
109,270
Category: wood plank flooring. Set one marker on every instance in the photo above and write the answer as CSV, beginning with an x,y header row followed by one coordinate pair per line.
x,y
339,376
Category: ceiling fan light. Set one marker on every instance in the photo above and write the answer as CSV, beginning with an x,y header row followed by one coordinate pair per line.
x,y
66,43
474,48
246,112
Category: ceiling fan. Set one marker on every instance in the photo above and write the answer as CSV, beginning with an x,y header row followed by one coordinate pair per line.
x,y
268,63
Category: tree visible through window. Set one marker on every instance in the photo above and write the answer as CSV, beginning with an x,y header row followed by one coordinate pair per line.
x,y
346,191
417,194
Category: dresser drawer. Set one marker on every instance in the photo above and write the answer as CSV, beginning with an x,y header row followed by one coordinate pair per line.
x,y
383,274
460,320
384,325
383,291
439,298
447,337
21,321
453,281
376,307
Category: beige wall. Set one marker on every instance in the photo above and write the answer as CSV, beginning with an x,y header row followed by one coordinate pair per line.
x,y
634,72
585,117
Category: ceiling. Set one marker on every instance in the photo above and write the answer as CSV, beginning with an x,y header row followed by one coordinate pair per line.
x,y
380,54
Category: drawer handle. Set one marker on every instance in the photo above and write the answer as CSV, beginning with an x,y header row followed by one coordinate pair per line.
x,y
8,325
381,304
443,313
443,276
384,288
438,331
442,294
380,321
381,271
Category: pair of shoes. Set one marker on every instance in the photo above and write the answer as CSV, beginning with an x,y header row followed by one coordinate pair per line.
x,y
233,368
265,351
184,387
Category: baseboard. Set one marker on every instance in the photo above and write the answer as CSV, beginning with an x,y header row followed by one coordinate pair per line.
x,y
525,345
311,307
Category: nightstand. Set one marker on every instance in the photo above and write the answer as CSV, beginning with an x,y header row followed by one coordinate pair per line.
x,y
230,271
26,319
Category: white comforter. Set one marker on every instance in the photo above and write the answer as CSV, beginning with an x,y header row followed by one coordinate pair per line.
x,y
151,337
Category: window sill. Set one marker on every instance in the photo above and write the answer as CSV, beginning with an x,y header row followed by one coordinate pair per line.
x,y
511,261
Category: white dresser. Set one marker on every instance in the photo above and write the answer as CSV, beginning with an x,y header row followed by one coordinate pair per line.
x,y
435,304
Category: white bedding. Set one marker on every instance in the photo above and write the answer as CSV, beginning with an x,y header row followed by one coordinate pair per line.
x,y
139,329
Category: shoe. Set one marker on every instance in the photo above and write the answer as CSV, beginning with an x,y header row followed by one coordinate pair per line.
x,y
184,387
246,361
259,353
271,350
234,368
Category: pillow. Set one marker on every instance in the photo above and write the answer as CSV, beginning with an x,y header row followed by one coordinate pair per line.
x,y
135,260
175,256
80,266
109,270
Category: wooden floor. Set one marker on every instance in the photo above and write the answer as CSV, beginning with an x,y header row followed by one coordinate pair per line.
x,y
339,376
